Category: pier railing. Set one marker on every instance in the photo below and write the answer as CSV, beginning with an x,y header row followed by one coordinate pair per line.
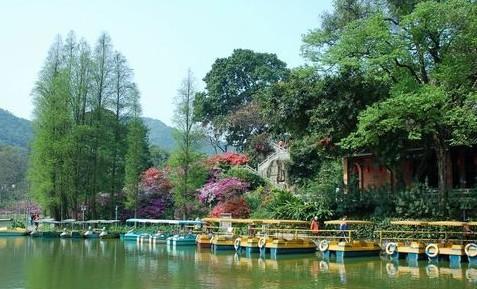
x,y
455,237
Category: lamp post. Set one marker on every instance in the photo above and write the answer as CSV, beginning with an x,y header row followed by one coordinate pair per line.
x,y
83,209
116,214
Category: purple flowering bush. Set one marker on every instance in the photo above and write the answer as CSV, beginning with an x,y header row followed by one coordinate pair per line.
x,y
220,190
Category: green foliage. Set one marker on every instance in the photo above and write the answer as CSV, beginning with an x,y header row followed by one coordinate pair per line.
x,y
286,205
414,116
17,223
13,167
84,101
254,180
231,87
159,156
188,171
136,159
416,203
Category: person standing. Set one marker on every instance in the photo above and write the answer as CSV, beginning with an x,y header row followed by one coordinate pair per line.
x,y
315,226
343,229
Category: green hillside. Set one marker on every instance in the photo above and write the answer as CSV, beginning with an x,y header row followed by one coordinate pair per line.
x,y
18,132
14,131
160,134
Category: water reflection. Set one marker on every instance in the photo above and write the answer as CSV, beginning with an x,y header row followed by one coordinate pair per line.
x,y
70,263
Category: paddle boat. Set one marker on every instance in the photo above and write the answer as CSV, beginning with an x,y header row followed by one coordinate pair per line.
x,y
6,229
470,248
223,237
285,237
65,233
99,230
104,233
448,244
341,243
408,243
48,224
183,236
135,234
186,235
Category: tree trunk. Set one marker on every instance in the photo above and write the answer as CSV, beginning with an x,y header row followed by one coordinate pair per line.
x,y
442,156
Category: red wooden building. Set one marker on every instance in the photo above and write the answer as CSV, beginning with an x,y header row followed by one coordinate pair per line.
x,y
368,173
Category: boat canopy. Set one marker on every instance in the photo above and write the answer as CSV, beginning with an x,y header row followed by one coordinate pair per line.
x,y
231,220
68,221
97,222
168,222
447,223
284,222
349,222
254,221
48,221
409,223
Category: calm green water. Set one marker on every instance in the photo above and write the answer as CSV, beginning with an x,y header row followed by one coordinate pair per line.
x,y
54,264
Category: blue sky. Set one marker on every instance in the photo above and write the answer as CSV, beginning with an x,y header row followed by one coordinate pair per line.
x,y
160,39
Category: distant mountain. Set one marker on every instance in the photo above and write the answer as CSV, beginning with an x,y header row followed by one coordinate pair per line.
x,y
15,131
18,132
160,134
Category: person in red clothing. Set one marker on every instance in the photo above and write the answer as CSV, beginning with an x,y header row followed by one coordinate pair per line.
x,y
315,226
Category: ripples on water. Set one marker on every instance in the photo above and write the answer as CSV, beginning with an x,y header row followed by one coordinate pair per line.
x,y
89,264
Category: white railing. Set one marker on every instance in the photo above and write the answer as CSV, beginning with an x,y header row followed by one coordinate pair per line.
x,y
279,155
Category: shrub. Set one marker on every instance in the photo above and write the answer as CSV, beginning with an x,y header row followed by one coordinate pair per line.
x,y
222,190
251,178
237,207
228,159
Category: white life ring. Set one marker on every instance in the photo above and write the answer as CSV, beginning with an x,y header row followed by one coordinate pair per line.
x,y
391,269
262,242
471,250
432,250
432,271
391,248
324,245
237,244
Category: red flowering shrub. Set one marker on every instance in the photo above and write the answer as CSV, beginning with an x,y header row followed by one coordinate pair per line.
x,y
228,159
237,207
155,181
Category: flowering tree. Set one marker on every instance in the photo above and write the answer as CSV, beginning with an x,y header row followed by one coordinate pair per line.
x,y
222,190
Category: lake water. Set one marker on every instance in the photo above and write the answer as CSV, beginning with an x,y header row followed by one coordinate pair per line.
x,y
74,264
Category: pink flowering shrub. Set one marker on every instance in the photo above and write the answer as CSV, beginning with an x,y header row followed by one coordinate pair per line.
x,y
221,190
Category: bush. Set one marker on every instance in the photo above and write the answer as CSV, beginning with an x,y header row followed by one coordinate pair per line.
x,y
222,190
285,205
251,178
237,207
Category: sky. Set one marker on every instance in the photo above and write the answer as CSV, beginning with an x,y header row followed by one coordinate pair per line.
x,y
160,39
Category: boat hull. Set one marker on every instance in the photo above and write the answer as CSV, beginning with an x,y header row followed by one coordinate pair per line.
x,y
12,234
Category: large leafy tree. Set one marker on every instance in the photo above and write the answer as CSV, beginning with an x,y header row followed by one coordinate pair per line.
x,y
231,86
317,111
426,51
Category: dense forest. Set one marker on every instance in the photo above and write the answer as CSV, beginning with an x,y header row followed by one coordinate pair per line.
x,y
381,77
